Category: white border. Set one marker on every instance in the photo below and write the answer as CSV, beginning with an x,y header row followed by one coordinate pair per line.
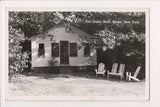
x,y
146,97
154,7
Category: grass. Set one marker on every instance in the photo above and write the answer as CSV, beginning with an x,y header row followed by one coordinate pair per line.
x,y
73,85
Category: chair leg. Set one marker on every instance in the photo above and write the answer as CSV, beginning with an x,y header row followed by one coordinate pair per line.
x,y
121,77
129,77
126,75
108,76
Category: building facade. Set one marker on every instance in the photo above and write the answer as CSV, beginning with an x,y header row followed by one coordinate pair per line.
x,y
62,46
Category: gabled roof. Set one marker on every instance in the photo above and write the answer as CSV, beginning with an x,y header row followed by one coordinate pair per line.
x,y
69,25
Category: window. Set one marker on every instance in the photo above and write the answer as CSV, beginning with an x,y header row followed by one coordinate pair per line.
x,y
87,50
55,49
73,49
41,52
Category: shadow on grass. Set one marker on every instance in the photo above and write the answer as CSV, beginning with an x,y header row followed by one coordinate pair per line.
x,y
45,75
82,74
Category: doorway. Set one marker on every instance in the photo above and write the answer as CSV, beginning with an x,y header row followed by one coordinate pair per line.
x,y
64,53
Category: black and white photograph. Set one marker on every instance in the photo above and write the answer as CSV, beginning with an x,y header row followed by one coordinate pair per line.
x,y
78,54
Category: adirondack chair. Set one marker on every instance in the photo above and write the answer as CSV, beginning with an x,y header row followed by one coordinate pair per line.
x,y
114,69
114,72
101,70
134,77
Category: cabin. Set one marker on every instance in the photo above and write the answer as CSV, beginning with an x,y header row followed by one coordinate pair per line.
x,y
61,49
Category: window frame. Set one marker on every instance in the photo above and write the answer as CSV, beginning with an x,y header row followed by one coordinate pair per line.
x,y
39,55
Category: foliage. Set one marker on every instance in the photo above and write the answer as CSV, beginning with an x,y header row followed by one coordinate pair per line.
x,y
125,39
128,38
17,60
111,39
34,23
124,28
52,62
23,26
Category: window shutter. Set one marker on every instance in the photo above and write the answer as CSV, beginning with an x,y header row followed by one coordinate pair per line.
x,y
73,49
55,49
87,50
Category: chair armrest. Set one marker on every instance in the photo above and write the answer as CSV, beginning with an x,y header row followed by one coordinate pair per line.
x,y
96,70
135,79
127,73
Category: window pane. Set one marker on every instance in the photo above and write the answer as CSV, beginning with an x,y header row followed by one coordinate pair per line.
x,y
41,52
87,50
55,49
73,49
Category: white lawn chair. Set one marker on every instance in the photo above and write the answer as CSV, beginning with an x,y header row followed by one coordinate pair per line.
x,y
114,72
101,69
134,77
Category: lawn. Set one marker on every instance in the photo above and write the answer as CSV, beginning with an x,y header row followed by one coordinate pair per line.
x,y
72,85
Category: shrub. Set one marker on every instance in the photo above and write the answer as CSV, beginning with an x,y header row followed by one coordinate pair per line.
x,y
17,60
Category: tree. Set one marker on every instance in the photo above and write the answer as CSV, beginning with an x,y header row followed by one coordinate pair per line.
x,y
129,38
23,26
110,35
124,41
17,59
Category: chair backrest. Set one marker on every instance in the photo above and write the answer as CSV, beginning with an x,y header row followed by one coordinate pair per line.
x,y
121,68
101,67
137,71
114,67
